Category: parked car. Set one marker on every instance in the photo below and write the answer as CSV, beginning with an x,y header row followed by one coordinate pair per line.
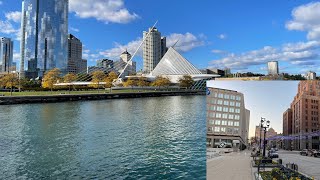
x,y
311,152
316,154
304,152
273,154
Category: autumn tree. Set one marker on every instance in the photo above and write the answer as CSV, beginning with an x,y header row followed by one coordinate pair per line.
x,y
10,81
161,82
186,81
110,78
69,78
130,83
142,82
97,78
51,78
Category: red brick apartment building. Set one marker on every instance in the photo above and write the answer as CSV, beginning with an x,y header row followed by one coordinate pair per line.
x,y
303,117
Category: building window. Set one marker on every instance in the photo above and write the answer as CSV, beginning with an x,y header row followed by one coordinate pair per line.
x,y
223,129
218,122
219,108
227,96
225,109
220,102
237,104
225,116
211,122
220,95
218,115
216,129
231,116
238,98
224,123
231,103
229,130
231,110
226,103
213,108
233,97
237,110
237,117
230,123
213,101
236,131
236,124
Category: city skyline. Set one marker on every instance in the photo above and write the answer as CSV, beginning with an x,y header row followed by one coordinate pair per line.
x,y
263,106
283,36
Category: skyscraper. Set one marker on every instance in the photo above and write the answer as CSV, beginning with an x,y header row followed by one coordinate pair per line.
x,y
75,60
154,48
44,32
273,68
6,54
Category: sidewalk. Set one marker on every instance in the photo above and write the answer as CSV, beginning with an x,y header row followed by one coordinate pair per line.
x,y
232,166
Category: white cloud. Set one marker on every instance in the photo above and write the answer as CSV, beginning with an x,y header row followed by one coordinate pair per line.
x,y
186,43
74,29
222,36
7,28
218,51
14,16
301,53
113,11
306,18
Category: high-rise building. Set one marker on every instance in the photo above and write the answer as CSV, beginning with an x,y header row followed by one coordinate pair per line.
x,y
227,119
311,75
6,55
154,48
74,55
106,63
287,128
82,66
305,110
44,37
273,68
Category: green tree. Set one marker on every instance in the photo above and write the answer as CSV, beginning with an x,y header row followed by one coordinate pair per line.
x,y
186,81
97,78
69,78
161,82
10,81
51,78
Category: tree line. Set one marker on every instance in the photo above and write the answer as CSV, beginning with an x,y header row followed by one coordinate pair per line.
x,y
99,80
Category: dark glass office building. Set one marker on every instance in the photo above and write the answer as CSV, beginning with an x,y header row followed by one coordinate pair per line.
x,y
44,36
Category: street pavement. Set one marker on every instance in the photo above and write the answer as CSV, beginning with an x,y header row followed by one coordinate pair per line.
x,y
306,164
231,166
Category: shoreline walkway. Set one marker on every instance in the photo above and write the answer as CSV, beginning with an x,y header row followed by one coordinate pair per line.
x,y
231,166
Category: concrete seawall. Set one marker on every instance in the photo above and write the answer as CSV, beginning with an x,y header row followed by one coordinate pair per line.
x,y
86,97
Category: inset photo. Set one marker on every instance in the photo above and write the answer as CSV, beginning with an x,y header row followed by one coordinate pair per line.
x,y
263,130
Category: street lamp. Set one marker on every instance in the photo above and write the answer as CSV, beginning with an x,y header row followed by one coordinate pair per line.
x,y
261,122
264,138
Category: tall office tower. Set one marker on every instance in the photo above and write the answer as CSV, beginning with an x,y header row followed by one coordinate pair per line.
x,y
305,115
44,37
154,48
227,119
6,55
273,68
74,54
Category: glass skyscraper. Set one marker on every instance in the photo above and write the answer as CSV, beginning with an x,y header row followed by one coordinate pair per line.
x,y
6,55
44,36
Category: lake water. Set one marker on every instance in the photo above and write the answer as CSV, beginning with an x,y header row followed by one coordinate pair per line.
x,y
147,138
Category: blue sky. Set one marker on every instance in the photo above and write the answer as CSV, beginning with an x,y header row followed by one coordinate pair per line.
x,y
268,99
242,35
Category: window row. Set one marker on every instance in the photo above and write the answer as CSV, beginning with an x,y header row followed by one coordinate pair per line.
x,y
224,116
227,130
223,109
227,96
225,102
224,123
